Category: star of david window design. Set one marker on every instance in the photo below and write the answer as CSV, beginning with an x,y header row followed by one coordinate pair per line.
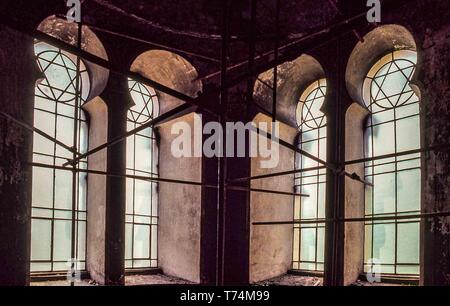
x,y
309,112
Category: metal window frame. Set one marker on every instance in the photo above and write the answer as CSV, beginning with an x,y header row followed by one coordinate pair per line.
x,y
369,127
147,98
77,118
319,92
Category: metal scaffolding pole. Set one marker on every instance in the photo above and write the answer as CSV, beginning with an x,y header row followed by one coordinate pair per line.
x,y
121,138
328,165
39,35
353,220
222,171
40,132
77,109
165,180
151,43
291,47
275,58
442,147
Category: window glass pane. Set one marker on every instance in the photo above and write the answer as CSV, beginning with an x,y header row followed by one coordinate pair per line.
x,y
296,244
143,192
42,195
309,204
62,240
63,189
155,200
84,135
383,139
368,243
312,148
82,191
128,241
141,196
384,193
312,139
395,117
413,269
310,135
130,196
54,105
308,244
368,198
64,133
408,189
45,122
141,263
320,244
143,154
141,241
41,249
384,242
321,200
383,116
81,247
408,243
407,110
130,152
408,134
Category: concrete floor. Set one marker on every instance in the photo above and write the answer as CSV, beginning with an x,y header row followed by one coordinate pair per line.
x,y
131,280
160,279
291,280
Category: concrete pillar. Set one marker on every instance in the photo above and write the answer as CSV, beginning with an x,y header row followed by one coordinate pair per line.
x,y
17,79
117,98
235,224
209,217
96,202
433,76
354,194
271,246
334,62
180,206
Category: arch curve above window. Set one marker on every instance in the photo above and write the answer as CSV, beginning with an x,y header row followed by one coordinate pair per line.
x,y
68,32
171,70
308,113
377,43
293,79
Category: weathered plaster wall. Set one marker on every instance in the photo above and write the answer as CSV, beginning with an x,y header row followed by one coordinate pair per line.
x,y
171,70
271,246
179,209
96,200
433,80
17,79
354,194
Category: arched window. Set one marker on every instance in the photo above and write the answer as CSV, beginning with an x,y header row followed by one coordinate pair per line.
x,y
308,245
393,126
141,243
58,112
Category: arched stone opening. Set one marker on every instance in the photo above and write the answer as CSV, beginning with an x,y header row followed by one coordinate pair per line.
x,y
96,111
179,222
366,56
271,247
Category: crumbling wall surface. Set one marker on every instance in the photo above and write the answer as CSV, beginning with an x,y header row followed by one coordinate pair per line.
x,y
354,195
179,209
434,81
16,99
271,246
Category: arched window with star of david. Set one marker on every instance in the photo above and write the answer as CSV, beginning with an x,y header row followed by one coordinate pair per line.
x,y
393,126
58,112
308,242
141,227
